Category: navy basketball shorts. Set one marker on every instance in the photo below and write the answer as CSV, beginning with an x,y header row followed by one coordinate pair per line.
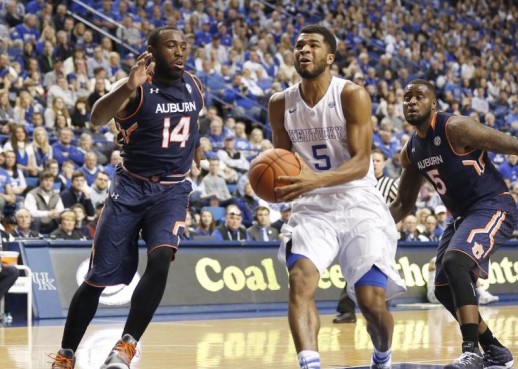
x,y
478,234
135,208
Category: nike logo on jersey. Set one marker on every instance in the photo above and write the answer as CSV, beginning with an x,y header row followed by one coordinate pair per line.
x,y
331,105
114,195
153,90
292,110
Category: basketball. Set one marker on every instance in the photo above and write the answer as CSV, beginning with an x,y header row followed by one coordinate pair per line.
x,y
267,167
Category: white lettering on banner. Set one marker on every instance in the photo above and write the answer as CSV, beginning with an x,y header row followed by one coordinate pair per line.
x,y
43,281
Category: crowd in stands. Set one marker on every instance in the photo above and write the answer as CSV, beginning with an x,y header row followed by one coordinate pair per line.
x,y
56,168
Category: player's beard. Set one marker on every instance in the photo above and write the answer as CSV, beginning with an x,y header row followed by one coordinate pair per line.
x,y
418,120
165,70
320,67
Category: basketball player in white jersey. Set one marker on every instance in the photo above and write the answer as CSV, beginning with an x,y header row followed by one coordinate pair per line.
x,y
336,209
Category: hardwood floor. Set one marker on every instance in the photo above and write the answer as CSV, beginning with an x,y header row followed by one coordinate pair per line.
x,y
422,339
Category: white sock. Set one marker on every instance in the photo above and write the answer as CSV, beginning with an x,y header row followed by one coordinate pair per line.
x,y
379,357
309,359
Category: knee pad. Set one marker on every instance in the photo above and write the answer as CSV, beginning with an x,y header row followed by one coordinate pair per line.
x,y
457,267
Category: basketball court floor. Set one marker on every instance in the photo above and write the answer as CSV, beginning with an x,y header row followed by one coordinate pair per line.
x,y
423,339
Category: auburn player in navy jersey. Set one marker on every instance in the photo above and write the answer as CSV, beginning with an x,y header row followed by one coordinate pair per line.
x,y
451,153
156,109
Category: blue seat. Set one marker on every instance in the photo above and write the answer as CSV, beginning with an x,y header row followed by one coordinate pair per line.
x,y
32,181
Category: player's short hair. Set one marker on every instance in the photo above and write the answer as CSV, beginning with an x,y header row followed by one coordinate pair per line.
x,y
154,36
426,83
329,38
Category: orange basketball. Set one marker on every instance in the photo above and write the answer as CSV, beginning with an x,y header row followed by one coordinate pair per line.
x,y
267,167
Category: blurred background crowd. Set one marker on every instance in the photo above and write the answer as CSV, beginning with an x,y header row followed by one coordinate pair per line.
x,y
58,57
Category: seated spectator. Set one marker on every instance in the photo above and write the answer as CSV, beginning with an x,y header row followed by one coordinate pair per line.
x,y
429,233
62,90
41,148
63,149
256,140
18,182
115,159
24,152
66,229
86,144
232,230
262,230
99,189
248,203
78,193
228,174
285,210
409,230
90,167
7,113
80,114
54,109
188,230
25,107
81,222
67,169
509,170
233,158
217,134
44,204
59,183
23,225
206,225
214,187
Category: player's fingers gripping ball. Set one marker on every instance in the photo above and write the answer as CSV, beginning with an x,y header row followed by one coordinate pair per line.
x,y
267,167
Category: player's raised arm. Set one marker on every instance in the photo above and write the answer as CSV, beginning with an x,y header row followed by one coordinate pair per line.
x,y
276,106
122,92
466,134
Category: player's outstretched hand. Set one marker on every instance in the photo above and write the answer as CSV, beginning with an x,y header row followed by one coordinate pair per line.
x,y
140,71
295,186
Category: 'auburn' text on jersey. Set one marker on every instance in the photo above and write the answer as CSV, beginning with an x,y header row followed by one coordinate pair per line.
x,y
442,167
159,138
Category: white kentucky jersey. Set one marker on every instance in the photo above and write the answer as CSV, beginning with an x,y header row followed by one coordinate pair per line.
x,y
318,134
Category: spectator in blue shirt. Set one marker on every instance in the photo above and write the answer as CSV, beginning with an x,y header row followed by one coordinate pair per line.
x,y
63,149
509,170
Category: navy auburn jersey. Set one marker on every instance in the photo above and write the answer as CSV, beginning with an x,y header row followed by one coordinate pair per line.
x,y
460,179
160,136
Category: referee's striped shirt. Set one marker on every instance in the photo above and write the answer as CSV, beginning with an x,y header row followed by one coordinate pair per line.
x,y
388,187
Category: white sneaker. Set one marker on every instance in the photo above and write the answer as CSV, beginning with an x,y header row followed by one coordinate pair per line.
x,y
484,297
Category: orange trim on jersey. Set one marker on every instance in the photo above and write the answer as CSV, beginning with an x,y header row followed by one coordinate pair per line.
x,y
479,168
165,245
491,229
434,121
198,88
138,107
